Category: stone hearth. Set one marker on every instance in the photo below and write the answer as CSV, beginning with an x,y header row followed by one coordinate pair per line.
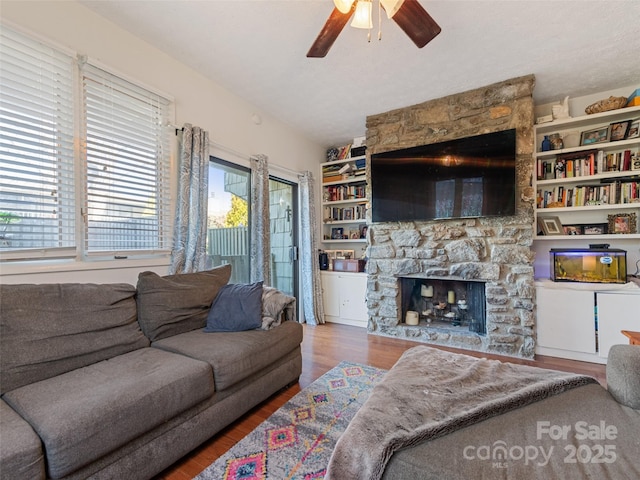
x,y
495,250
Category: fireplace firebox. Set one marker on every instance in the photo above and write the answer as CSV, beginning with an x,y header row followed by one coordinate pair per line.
x,y
444,304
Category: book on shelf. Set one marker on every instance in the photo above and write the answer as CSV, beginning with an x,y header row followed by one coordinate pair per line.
x,y
345,168
343,152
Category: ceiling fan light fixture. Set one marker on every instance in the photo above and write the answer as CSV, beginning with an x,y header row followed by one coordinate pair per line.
x,y
391,6
362,17
343,5
409,15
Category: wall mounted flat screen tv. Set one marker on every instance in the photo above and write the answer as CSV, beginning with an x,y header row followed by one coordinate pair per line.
x,y
464,178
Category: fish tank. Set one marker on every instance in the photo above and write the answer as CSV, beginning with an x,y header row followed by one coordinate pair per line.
x,y
588,265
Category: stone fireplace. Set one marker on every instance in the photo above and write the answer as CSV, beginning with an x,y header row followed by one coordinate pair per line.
x,y
492,253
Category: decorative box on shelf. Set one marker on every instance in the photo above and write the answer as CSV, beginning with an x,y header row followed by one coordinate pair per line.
x,y
350,265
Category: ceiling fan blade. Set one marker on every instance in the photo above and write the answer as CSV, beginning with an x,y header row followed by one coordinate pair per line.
x,y
416,23
332,28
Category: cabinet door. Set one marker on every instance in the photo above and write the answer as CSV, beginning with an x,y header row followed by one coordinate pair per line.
x,y
353,290
330,295
616,311
565,319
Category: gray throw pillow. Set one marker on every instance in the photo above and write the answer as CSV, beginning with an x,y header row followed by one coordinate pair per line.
x,y
179,303
237,307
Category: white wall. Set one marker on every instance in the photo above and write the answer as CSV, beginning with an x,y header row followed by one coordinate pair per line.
x,y
542,265
198,101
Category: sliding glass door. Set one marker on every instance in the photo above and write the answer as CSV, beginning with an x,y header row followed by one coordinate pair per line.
x,y
283,214
228,224
228,218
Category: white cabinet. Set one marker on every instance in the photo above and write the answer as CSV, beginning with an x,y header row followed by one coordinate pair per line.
x,y
344,298
587,186
583,321
566,320
616,311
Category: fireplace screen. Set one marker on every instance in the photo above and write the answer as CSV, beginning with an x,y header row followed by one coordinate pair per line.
x,y
456,304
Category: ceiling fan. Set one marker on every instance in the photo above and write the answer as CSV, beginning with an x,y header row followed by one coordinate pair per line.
x,y
408,14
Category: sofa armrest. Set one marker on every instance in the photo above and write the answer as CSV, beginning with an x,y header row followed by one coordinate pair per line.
x,y
623,375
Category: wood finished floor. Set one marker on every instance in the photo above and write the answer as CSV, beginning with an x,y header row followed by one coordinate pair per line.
x,y
323,348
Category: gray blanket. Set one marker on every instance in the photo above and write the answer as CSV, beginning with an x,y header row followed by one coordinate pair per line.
x,y
429,393
276,306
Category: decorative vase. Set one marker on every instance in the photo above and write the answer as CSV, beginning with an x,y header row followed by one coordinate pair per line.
x,y
546,144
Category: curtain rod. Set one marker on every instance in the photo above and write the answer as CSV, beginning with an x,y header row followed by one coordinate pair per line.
x,y
244,156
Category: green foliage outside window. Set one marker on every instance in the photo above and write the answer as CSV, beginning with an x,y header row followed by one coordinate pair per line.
x,y
238,216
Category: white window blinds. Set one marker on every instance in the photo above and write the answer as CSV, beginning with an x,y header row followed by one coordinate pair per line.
x,y
79,143
37,208
127,166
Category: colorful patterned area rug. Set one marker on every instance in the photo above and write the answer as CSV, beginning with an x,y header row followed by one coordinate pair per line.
x,y
297,440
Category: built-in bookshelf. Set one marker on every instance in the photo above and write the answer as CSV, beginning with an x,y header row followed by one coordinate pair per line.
x,y
586,185
344,199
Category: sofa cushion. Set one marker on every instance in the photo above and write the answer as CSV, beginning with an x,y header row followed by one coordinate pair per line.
x,y
20,449
235,355
85,414
623,374
237,307
50,329
176,304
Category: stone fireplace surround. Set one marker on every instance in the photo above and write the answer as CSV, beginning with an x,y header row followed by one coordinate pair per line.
x,y
496,251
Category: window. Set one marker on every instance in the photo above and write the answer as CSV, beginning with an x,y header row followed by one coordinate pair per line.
x,y
127,167
110,188
37,194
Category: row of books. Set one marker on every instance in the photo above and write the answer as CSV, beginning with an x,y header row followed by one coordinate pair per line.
x,y
584,164
336,193
613,193
343,152
335,214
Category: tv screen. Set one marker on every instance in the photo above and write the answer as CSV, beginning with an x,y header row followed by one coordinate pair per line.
x,y
464,178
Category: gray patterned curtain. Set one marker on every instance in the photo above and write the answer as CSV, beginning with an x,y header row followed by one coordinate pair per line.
x,y
190,232
260,243
312,307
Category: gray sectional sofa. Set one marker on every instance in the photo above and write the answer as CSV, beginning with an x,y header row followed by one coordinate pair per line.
x,y
113,381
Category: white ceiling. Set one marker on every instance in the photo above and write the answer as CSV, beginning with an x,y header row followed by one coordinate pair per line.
x,y
257,49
